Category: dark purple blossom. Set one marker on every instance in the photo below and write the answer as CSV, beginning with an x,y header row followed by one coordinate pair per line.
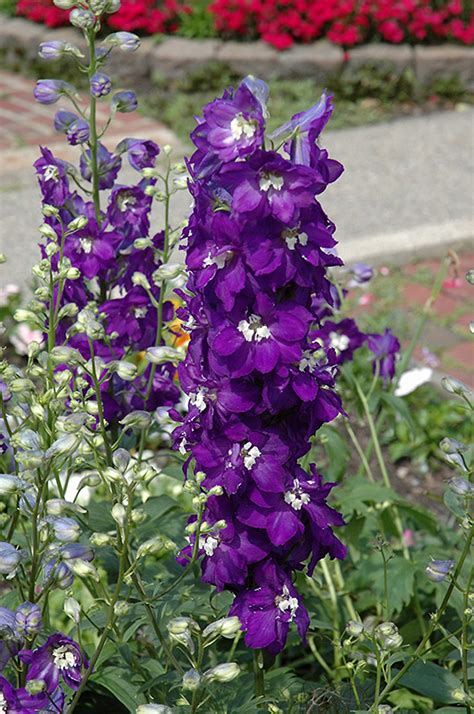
x,y
385,349
59,658
63,120
108,166
78,132
141,154
19,701
268,610
52,178
124,102
129,210
93,248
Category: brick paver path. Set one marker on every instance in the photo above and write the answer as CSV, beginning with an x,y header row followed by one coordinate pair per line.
x,y
24,122
446,334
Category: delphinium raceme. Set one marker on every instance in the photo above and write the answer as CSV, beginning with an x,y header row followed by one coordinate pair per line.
x,y
258,248
102,363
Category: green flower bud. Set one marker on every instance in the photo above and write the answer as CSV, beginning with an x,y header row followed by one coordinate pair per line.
x,y
222,672
191,680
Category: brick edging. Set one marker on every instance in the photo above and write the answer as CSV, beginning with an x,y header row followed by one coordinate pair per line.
x,y
175,56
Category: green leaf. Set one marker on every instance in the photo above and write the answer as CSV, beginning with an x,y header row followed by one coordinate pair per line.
x,y
400,407
337,452
432,681
454,503
119,683
357,494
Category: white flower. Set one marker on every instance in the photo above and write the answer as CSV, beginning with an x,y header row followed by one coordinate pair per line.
x,y
412,379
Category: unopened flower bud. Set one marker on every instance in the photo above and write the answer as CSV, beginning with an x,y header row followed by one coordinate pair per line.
x,y
83,569
121,608
179,625
461,487
48,232
452,446
72,609
9,484
163,354
470,276
83,19
64,446
153,709
191,680
438,570
168,271
65,4
28,619
101,539
138,419
125,370
124,102
459,695
121,459
225,627
454,386
158,546
222,672
125,41
119,514
49,210
141,280
77,224
354,628
9,559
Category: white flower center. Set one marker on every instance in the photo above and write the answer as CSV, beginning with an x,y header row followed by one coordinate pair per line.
x,y
140,312
338,342
293,237
51,173
309,360
269,180
250,454
198,399
3,704
240,126
182,446
64,657
218,260
253,329
297,498
125,200
208,544
86,245
285,602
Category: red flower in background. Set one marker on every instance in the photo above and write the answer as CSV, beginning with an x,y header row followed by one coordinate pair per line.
x,y
283,22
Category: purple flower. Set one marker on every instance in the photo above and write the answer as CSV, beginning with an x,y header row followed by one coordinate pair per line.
x,y
100,85
19,701
108,166
266,184
49,91
267,611
9,638
92,249
59,658
28,619
124,102
58,573
9,558
303,129
385,349
141,154
232,127
54,49
63,120
129,209
52,178
342,338
361,273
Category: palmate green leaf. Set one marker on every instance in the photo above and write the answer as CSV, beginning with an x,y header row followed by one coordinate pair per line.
x,y
120,683
357,494
432,681
400,579
421,516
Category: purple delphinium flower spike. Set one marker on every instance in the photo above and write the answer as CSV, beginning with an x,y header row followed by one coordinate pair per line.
x,y
259,377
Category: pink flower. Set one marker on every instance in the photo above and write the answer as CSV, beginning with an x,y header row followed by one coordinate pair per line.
x,y
24,336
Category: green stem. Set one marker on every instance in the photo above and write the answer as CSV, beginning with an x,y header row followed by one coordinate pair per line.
x,y
436,618
93,126
111,612
465,643
100,409
360,452
335,611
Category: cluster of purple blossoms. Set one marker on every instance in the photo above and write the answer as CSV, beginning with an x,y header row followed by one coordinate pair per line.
x,y
59,661
104,251
258,248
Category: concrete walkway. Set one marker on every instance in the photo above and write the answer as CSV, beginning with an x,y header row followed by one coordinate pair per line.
x,y
407,190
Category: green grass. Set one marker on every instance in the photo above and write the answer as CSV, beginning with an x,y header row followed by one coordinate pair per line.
x,y
365,95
